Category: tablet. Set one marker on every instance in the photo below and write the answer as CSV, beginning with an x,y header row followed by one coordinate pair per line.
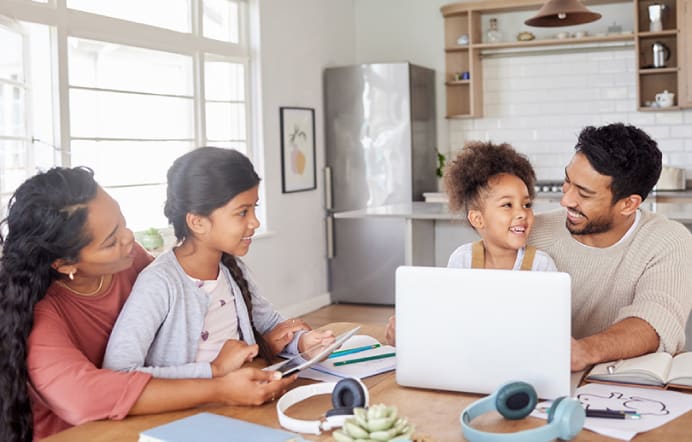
x,y
300,361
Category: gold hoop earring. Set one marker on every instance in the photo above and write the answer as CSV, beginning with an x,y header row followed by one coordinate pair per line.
x,y
71,275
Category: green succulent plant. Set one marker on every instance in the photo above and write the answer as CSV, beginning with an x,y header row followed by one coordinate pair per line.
x,y
441,161
377,423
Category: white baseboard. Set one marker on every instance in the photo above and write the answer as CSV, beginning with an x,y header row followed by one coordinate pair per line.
x,y
307,306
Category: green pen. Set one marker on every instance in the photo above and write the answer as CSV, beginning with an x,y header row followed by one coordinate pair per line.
x,y
369,358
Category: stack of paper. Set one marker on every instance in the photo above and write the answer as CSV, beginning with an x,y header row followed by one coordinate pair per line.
x,y
329,370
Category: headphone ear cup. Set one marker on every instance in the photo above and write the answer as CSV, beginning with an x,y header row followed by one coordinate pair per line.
x,y
569,416
348,393
516,400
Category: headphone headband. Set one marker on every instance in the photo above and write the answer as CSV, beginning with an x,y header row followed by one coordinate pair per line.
x,y
565,418
327,423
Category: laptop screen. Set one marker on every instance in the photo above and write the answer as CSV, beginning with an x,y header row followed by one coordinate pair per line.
x,y
473,330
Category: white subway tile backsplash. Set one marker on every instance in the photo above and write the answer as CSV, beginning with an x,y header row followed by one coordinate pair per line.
x,y
681,131
540,103
668,117
671,145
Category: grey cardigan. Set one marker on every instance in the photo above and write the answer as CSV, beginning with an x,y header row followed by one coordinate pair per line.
x,y
159,327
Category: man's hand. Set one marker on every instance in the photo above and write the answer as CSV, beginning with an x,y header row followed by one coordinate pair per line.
x,y
390,331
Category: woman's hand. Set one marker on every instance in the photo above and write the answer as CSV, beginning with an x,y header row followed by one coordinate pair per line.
x,y
315,340
232,356
390,331
252,386
279,337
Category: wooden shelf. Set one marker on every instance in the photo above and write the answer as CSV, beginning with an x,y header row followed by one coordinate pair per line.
x,y
555,42
654,71
457,82
664,33
658,109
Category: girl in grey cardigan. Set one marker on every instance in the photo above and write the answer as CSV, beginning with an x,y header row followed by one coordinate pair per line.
x,y
195,312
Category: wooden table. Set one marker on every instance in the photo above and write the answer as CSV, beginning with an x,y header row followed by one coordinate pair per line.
x,y
435,414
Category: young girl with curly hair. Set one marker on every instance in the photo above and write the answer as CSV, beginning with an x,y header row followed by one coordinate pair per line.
x,y
494,185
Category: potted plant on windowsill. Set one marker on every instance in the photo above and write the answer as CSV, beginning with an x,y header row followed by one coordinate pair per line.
x,y
440,171
151,239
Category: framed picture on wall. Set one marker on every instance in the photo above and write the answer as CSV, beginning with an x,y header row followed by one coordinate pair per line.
x,y
297,149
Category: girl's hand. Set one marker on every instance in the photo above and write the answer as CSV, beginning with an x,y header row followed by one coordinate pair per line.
x,y
314,341
232,356
279,337
251,386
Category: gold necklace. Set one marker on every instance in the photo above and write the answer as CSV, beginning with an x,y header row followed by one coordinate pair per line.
x,y
98,289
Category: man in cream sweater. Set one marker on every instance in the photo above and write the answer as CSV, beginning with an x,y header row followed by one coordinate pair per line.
x,y
631,269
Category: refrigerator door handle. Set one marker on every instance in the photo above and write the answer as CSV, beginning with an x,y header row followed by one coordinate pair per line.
x,y
330,236
328,188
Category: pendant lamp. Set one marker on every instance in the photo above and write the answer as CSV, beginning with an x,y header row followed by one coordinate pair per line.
x,y
562,13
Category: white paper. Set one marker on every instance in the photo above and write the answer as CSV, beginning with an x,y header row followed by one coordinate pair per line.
x,y
656,408
327,371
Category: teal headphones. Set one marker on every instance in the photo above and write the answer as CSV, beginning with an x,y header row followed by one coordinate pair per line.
x,y
515,400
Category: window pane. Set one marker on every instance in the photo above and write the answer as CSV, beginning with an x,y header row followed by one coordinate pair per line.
x,y
11,67
96,114
225,121
142,206
104,65
224,81
12,108
118,163
221,20
13,156
169,14
237,145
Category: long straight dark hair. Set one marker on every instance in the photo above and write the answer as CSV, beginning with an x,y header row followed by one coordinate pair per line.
x,y
45,221
200,182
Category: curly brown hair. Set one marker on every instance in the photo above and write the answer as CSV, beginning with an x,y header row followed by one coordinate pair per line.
x,y
466,178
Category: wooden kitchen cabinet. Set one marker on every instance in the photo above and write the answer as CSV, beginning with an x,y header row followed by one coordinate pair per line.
x,y
685,52
465,96
653,80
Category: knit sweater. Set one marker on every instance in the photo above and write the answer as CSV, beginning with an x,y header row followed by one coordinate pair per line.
x,y
647,275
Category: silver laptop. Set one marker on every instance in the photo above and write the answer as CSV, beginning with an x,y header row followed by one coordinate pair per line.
x,y
473,330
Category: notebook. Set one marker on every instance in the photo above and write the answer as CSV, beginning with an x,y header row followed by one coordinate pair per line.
x,y
472,330
209,427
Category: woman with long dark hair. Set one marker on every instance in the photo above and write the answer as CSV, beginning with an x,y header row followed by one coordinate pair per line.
x,y
67,267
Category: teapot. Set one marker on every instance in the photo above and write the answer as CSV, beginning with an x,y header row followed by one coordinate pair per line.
x,y
665,99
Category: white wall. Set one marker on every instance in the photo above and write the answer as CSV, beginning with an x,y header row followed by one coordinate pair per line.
x,y
297,40
537,103
404,30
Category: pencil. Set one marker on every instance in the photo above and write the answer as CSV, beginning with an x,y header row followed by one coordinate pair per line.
x,y
612,414
369,358
349,351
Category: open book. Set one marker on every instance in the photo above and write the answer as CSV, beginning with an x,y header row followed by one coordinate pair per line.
x,y
654,369
378,359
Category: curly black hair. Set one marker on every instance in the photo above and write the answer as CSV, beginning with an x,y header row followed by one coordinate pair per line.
x,y
626,154
468,175
45,221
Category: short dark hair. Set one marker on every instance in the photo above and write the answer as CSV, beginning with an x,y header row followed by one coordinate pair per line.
x,y
476,164
626,154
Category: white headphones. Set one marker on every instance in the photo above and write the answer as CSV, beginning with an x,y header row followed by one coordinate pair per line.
x,y
347,394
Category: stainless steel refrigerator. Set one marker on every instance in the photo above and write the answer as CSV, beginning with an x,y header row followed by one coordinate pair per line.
x,y
381,149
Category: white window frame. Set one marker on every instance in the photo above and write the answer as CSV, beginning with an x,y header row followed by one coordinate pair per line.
x,y
107,29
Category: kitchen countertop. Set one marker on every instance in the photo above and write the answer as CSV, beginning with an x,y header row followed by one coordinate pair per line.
x,y
666,196
419,210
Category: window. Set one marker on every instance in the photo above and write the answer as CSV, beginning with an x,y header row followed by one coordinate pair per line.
x,y
131,86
